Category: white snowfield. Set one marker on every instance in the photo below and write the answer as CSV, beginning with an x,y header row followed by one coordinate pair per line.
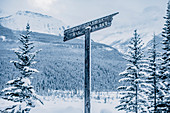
x,y
61,106
62,103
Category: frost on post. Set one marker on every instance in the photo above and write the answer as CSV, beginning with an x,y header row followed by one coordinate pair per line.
x,y
20,91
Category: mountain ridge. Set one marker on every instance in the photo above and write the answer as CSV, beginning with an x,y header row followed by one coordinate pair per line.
x,y
39,22
118,39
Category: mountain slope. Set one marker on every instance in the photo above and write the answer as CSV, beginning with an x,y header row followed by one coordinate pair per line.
x,y
39,22
61,64
7,33
159,45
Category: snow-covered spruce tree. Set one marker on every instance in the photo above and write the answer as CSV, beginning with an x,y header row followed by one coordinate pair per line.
x,y
152,84
19,90
131,98
165,64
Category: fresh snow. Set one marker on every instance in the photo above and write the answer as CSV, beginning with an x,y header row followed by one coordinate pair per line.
x,y
11,81
26,81
9,88
68,105
28,69
4,104
108,49
61,104
124,79
3,38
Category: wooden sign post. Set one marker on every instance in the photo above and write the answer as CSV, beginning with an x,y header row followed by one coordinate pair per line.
x,y
86,29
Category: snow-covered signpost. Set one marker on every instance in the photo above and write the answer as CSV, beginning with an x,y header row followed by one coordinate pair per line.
x,y
86,29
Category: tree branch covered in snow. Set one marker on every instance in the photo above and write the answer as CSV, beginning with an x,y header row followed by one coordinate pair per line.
x,y
132,99
165,62
19,90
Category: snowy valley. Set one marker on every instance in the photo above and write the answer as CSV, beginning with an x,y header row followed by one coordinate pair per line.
x,y
61,70
117,79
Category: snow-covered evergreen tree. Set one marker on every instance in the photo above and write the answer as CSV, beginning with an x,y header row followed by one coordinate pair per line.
x,y
152,85
165,64
19,90
132,99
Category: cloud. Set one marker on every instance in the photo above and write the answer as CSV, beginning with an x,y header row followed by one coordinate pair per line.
x,y
74,12
42,4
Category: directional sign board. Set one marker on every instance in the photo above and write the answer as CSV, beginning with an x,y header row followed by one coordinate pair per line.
x,y
86,29
95,25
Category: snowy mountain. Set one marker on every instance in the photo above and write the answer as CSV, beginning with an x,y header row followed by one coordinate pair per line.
x,y
159,45
39,22
117,36
146,22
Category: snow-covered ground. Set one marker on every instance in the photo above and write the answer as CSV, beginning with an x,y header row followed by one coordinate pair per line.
x,y
104,103
60,106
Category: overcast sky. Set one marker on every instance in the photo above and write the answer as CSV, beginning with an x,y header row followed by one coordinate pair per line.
x,y
144,15
73,12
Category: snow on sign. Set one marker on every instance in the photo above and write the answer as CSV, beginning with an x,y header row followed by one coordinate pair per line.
x,y
86,29
95,25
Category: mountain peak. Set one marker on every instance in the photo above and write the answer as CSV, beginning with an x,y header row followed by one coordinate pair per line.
x,y
39,22
30,13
